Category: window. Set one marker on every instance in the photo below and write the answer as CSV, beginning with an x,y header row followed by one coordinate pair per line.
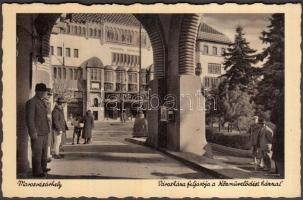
x,y
132,78
68,29
222,51
96,102
91,74
55,72
83,31
52,50
214,68
205,49
95,32
79,30
59,73
215,51
75,74
64,73
90,32
71,74
108,76
59,51
67,52
99,33
76,53
211,82
119,77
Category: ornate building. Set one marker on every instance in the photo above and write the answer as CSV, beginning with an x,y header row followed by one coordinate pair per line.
x,y
96,63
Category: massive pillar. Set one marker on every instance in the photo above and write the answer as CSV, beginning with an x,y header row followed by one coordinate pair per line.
x,y
173,38
24,68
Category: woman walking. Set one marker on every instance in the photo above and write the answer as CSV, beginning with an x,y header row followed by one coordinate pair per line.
x,y
87,129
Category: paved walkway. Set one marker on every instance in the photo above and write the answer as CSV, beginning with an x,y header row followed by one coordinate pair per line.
x,y
111,157
224,164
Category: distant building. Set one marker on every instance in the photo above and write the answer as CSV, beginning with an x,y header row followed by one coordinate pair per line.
x,y
97,63
211,45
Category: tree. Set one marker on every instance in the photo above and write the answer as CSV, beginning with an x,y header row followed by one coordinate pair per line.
x,y
236,107
235,90
239,58
272,73
271,87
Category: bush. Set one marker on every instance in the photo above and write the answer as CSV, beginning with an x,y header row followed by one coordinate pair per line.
x,y
239,141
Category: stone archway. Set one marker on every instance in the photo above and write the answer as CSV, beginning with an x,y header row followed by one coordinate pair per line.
x,y
173,56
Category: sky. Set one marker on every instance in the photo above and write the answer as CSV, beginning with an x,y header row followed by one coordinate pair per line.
x,y
253,25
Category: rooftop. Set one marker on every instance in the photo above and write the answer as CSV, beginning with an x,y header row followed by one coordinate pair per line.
x,y
208,33
123,19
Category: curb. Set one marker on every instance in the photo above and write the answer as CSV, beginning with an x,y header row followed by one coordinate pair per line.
x,y
231,151
181,159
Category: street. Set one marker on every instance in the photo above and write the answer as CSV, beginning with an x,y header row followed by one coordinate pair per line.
x,y
109,156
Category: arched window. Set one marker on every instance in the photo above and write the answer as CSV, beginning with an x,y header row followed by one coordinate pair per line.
x,y
99,33
83,31
123,36
95,32
90,32
116,35
79,30
131,37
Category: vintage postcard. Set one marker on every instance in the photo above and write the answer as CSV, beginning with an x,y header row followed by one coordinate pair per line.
x,y
154,100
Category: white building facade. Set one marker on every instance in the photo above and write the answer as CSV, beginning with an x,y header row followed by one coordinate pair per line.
x,y
97,63
211,45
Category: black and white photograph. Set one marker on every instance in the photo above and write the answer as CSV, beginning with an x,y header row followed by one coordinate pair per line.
x,y
184,99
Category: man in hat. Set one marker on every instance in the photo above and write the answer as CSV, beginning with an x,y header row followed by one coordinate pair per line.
x,y
59,125
38,129
265,139
254,135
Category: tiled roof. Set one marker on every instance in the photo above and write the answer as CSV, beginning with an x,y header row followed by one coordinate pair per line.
x,y
208,33
123,19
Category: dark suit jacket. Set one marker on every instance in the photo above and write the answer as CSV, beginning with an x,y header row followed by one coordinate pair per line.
x,y
59,123
36,117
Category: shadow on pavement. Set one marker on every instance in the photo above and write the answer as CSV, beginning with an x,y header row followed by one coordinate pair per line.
x,y
112,158
184,175
106,148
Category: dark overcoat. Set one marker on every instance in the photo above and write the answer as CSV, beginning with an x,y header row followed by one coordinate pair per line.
x,y
58,120
36,117
88,125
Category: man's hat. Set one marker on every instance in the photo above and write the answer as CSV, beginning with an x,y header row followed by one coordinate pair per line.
x,y
40,87
60,100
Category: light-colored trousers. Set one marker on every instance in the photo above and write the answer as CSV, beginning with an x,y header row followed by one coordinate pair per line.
x,y
57,137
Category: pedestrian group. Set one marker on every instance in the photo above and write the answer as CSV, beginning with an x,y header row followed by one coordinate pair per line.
x,y
47,128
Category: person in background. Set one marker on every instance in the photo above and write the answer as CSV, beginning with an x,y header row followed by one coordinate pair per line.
x,y
59,125
77,121
38,130
266,139
254,133
140,126
88,121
